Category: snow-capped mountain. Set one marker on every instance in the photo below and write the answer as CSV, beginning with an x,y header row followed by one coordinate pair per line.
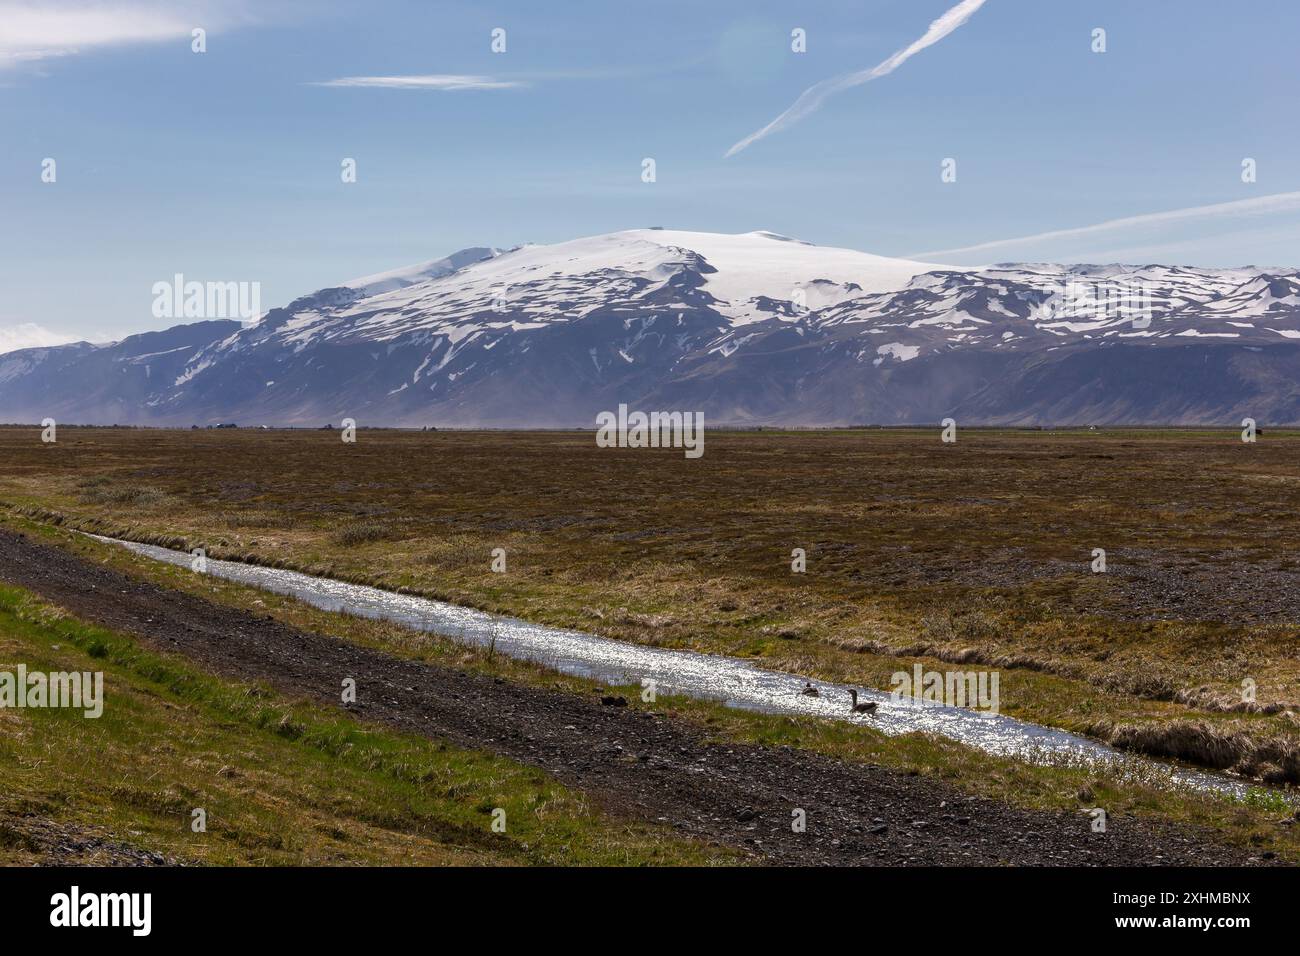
x,y
750,329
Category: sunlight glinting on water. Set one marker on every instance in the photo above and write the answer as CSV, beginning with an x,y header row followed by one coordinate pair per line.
x,y
734,682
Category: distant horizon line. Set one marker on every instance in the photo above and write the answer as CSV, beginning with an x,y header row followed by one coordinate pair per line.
x,y
582,429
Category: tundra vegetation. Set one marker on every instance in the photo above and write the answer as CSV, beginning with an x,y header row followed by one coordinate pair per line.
x,y
978,553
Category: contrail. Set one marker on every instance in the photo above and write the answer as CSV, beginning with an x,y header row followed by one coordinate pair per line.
x,y
811,99
1277,202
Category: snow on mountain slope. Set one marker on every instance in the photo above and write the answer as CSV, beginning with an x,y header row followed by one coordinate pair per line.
x,y
476,295
767,265
1263,295
555,282
409,275
1036,306
753,328
566,279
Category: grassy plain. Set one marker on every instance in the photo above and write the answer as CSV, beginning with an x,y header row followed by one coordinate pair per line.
x,y
975,554
281,782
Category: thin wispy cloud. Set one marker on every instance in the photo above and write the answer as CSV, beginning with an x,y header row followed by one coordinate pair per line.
x,y
455,81
449,82
29,335
1259,206
32,32
811,99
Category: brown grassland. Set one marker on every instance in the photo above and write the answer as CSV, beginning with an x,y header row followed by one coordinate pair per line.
x,y
977,553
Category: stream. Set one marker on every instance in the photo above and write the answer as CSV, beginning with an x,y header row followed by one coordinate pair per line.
x,y
734,682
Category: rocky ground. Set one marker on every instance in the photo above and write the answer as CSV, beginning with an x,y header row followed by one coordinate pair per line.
x,y
32,838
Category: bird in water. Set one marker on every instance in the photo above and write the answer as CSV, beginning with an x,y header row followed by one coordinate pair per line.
x,y
809,690
866,707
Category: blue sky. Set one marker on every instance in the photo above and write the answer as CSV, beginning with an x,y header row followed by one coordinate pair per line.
x,y
226,165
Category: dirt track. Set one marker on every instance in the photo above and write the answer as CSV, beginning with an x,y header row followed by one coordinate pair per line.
x,y
30,837
631,763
